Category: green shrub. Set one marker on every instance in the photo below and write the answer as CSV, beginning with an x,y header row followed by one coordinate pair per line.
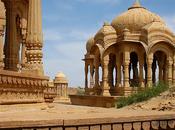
x,y
142,96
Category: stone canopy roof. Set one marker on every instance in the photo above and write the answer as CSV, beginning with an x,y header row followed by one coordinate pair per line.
x,y
135,25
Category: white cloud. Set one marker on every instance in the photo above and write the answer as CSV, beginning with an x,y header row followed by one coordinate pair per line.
x,y
170,21
50,35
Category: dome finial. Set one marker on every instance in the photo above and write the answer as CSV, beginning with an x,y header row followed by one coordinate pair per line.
x,y
136,5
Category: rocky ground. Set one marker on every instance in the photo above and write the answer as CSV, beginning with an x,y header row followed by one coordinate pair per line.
x,y
164,102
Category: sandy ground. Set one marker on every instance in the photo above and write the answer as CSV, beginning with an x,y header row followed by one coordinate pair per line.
x,y
161,105
62,111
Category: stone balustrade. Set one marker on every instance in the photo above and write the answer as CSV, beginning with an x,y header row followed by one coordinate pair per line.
x,y
159,122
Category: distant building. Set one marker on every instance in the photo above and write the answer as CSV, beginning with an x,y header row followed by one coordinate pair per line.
x,y
61,85
135,50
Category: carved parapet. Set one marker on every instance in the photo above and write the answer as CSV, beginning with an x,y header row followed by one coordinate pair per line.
x,y
49,94
21,88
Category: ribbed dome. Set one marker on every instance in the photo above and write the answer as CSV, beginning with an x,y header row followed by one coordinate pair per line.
x,y
134,19
89,44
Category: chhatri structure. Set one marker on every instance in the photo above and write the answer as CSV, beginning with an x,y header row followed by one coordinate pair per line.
x,y
136,49
22,77
61,85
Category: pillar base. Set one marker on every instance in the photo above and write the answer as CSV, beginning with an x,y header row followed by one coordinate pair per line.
x,y
149,84
127,91
105,93
142,85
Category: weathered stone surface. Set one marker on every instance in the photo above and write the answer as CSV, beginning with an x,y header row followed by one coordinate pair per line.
x,y
137,126
106,127
83,128
127,126
96,127
42,129
171,124
155,125
71,128
58,128
163,124
117,127
146,125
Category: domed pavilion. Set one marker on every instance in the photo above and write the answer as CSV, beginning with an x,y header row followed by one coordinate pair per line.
x,y
135,51
61,84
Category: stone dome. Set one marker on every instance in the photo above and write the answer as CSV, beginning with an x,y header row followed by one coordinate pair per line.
x,y
105,30
134,19
60,78
89,44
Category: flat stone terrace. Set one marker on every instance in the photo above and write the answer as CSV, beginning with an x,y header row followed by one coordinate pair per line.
x,y
68,117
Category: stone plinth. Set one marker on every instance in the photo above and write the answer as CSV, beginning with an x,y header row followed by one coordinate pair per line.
x,y
21,87
95,101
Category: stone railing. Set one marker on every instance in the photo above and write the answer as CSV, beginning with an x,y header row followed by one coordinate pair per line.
x,y
21,87
164,122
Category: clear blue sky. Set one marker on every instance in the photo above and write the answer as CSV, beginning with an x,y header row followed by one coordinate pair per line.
x,y
67,25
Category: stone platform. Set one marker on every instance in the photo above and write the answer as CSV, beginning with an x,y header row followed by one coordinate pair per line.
x,y
94,101
69,117
21,87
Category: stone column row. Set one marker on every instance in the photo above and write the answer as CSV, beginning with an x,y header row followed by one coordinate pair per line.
x,y
87,64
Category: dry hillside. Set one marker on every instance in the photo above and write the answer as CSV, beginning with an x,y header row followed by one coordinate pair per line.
x,y
164,102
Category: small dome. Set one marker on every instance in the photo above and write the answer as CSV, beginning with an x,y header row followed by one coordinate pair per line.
x,y
2,10
60,78
157,26
134,19
60,75
89,44
105,30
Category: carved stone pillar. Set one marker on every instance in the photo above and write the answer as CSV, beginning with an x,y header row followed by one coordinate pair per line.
x,y
1,48
174,72
154,66
165,75
86,75
96,75
11,53
160,71
126,69
110,77
141,65
149,70
34,41
118,74
23,57
170,72
105,85
91,74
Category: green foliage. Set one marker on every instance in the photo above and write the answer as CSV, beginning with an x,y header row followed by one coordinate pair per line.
x,y
142,96
80,91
